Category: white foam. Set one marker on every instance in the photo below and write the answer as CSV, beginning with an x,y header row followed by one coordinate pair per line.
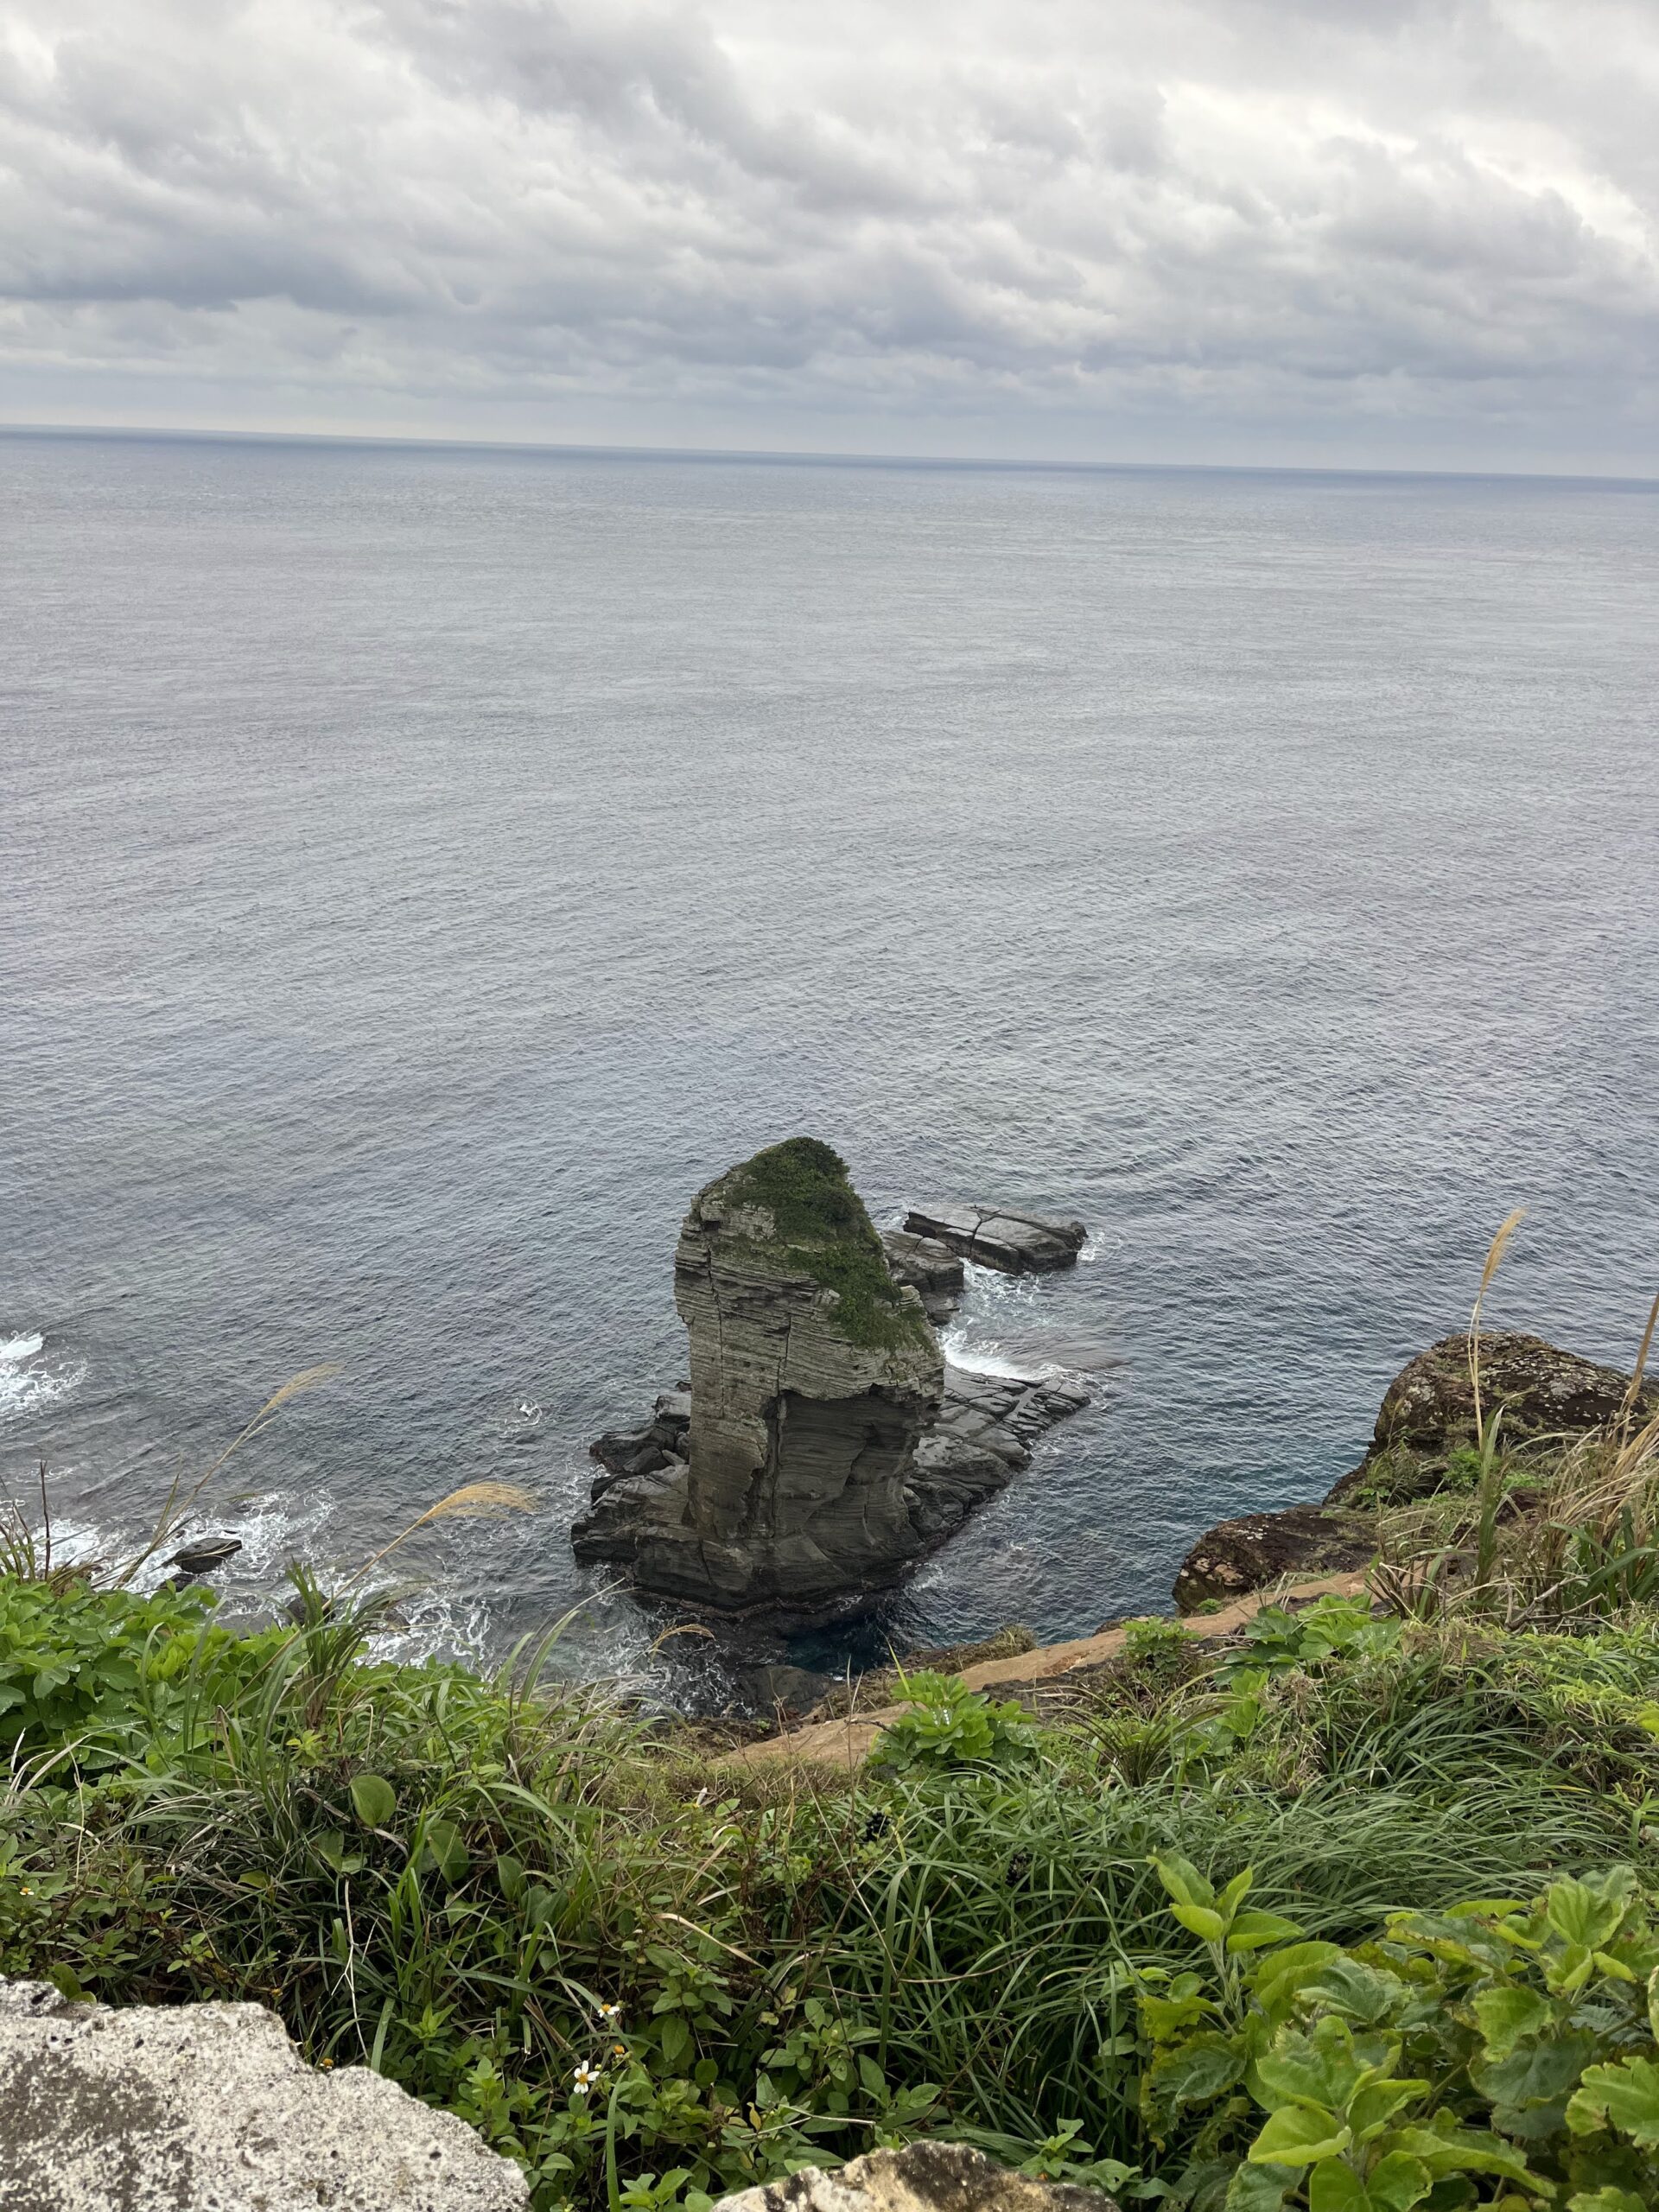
x,y
27,1379
993,1304
442,1624
991,1359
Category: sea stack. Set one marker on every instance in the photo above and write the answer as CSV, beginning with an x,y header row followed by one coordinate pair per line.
x,y
821,1447
814,1375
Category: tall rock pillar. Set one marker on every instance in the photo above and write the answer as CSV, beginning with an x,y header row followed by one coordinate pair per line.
x,y
813,1375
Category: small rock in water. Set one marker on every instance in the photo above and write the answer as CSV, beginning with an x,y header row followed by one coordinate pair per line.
x,y
203,1557
932,1270
997,1236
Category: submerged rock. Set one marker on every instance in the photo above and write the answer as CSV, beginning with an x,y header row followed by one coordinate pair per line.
x,y
151,2107
922,2177
995,1236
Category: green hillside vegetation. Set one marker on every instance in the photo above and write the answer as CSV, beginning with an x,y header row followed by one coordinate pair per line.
x,y
541,1912
1353,1910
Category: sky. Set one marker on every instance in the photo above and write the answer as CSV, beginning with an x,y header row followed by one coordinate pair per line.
x,y
1391,233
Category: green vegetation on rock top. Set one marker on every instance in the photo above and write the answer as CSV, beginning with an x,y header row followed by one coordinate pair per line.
x,y
821,1227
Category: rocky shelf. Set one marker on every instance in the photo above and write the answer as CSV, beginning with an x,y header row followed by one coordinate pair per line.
x,y
997,1236
1426,1419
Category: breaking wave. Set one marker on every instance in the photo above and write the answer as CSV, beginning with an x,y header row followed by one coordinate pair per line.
x,y
28,1379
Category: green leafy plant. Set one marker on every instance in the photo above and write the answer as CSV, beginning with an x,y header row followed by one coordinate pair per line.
x,y
1500,2052
947,1725
1158,1648
92,1666
1276,1640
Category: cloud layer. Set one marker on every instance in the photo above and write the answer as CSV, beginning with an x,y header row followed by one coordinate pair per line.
x,y
1346,229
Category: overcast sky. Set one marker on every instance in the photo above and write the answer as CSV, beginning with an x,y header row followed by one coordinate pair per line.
x,y
1372,232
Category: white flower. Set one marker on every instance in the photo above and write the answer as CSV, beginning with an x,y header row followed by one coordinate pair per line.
x,y
612,2013
586,2076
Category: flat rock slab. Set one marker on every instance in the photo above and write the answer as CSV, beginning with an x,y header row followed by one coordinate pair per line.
x,y
997,1236
1022,1407
933,1271
923,2177
153,2108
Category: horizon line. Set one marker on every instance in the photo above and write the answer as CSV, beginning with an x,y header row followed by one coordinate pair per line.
x,y
801,457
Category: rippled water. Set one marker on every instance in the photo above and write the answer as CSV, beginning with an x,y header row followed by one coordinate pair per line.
x,y
421,870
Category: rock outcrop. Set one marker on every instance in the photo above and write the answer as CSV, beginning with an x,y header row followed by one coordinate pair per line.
x,y
1257,1548
150,2108
814,1375
1428,1410
820,1448
1549,1397
980,1439
993,1237
922,2177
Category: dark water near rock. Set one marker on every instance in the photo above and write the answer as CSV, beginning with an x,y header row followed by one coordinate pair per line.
x,y
420,870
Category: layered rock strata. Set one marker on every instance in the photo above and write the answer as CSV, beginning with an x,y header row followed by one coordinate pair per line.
x,y
813,1375
980,1439
993,1236
932,1270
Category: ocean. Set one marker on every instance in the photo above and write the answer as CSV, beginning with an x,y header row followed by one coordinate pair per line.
x,y
421,869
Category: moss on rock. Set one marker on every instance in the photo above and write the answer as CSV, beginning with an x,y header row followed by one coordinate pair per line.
x,y
819,1226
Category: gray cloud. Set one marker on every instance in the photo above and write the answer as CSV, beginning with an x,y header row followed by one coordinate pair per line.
x,y
1237,228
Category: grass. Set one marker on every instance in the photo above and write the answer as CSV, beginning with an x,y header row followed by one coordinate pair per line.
x,y
454,1878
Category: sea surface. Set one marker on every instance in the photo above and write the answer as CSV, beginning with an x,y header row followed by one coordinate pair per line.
x,y
422,869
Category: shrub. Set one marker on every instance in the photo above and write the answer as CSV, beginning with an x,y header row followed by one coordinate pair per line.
x,y
1158,1649
1500,2052
821,1227
97,1665
645,1977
